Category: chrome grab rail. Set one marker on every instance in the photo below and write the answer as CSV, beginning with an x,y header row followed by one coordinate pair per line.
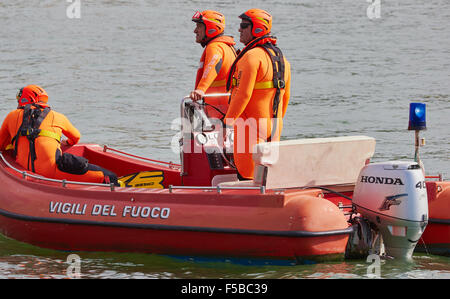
x,y
214,95
219,189
170,164
184,99
63,182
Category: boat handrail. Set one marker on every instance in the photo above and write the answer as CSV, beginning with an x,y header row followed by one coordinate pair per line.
x,y
170,164
219,189
186,98
63,182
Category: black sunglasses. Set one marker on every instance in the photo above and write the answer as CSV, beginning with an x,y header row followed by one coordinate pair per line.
x,y
244,25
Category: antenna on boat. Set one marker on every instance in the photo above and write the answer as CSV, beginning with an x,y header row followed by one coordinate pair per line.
x,y
417,122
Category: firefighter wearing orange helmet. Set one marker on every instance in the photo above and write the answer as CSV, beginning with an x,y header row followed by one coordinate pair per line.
x,y
33,132
259,80
215,62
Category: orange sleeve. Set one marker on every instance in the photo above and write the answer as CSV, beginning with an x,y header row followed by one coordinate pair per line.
x,y
213,60
72,133
245,74
287,90
5,137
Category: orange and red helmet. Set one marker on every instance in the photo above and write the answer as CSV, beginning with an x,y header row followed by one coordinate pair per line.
x,y
32,94
260,19
214,22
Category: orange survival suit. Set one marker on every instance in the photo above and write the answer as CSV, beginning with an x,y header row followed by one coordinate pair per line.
x,y
44,157
215,63
258,100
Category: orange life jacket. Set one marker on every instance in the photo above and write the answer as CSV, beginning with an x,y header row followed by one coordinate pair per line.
x,y
35,135
260,89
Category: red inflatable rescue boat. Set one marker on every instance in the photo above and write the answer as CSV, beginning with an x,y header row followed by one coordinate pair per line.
x,y
298,207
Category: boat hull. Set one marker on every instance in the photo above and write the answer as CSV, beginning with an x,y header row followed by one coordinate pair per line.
x,y
297,246
436,237
292,225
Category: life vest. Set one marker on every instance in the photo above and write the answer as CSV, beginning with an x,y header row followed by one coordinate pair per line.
x,y
33,116
268,43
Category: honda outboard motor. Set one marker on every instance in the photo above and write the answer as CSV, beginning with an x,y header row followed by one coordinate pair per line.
x,y
392,196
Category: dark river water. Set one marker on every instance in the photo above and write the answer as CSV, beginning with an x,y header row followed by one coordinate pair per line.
x,y
119,71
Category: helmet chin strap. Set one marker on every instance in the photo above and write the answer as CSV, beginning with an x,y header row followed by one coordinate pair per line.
x,y
206,39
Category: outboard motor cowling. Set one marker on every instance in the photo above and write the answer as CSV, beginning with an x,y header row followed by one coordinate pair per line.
x,y
392,196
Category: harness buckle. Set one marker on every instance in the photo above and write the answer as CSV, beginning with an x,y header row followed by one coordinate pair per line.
x,y
32,133
281,84
23,132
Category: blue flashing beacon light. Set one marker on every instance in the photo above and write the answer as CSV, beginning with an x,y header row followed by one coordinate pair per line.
x,y
417,117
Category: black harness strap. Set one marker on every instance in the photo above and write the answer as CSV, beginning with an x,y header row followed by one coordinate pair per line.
x,y
276,56
32,120
278,80
250,46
